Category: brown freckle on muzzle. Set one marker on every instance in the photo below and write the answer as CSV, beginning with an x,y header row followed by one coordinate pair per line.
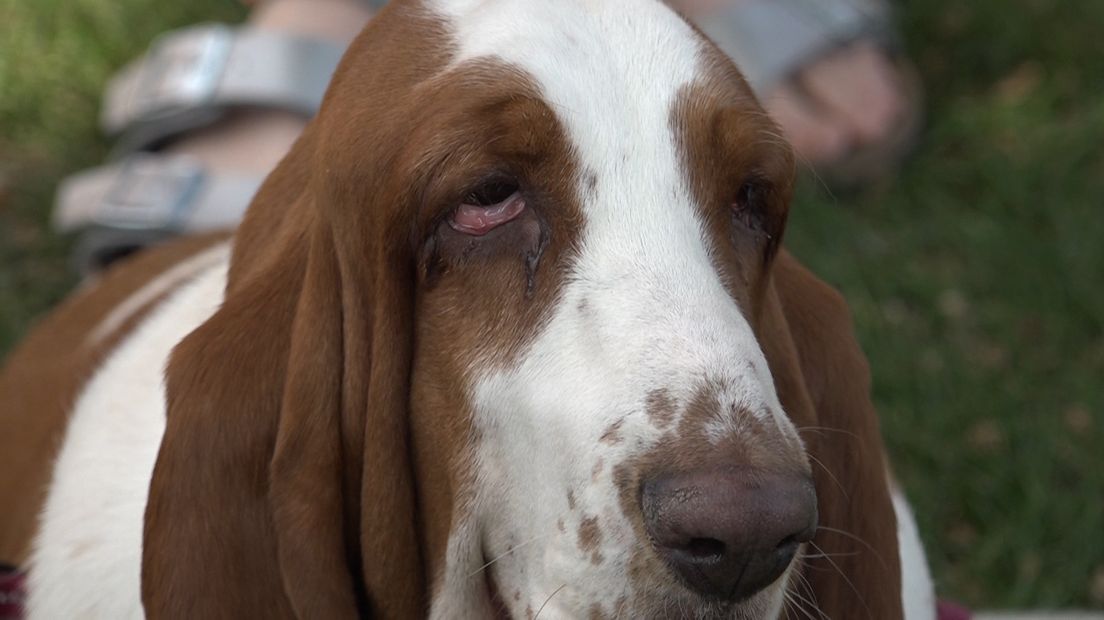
x,y
612,435
590,535
571,499
660,407
590,180
526,239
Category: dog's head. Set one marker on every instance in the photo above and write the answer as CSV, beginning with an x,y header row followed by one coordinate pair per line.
x,y
513,334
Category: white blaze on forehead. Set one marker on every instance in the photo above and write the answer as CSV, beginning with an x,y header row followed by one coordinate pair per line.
x,y
612,71
602,66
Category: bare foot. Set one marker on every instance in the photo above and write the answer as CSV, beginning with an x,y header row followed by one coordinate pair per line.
x,y
845,100
850,98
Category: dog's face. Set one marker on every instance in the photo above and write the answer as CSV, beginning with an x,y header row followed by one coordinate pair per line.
x,y
597,200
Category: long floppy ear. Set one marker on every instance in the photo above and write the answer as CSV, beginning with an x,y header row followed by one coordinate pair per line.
x,y
283,486
824,382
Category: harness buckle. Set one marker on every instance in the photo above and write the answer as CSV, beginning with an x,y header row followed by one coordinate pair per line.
x,y
182,71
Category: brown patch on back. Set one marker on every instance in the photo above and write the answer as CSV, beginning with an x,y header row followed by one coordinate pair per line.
x,y
661,409
43,376
571,499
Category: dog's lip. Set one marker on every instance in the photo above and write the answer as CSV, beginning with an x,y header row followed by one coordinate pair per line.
x,y
498,604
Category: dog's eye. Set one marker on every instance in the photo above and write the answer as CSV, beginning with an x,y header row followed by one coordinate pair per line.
x,y
749,206
491,193
487,207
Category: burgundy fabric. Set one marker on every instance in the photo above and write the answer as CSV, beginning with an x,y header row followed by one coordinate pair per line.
x,y
12,591
952,611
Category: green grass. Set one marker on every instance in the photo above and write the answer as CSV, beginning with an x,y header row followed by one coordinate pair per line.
x,y
976,276
55,56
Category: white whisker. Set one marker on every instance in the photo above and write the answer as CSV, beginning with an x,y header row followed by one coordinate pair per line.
x,y
508,552
549,599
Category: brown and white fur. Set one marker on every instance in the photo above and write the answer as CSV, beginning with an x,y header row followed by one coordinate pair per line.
x,y
359,406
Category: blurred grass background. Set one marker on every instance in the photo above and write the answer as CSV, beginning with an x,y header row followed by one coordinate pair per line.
x,y
976,276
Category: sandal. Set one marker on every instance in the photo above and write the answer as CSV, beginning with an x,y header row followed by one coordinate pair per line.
x,y
189,79
772,40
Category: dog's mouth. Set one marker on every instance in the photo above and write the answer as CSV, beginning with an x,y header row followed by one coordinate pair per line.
x,y
692,603
498,604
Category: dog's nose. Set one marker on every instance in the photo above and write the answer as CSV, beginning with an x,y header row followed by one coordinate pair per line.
x,y
729,533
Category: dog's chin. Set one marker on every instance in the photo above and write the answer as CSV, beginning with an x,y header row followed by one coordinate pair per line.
x,y
761,606
662,595
657,594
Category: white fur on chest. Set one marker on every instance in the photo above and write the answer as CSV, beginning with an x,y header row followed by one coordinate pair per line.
x,y
86,561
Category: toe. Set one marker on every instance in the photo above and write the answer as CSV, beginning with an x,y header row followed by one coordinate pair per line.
x,y
859,86
817,137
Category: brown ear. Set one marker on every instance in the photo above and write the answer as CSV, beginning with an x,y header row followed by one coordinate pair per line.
x,y
824,382
283,485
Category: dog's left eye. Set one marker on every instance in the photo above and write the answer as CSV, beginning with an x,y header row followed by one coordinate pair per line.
x,y
748,208
491,193
487,207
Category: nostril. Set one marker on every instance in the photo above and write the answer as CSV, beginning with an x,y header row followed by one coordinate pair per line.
x,y
808,532
793,540
787,549
788,546
731,532
705,549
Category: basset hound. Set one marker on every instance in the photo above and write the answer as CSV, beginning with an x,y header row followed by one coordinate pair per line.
x,y
509,333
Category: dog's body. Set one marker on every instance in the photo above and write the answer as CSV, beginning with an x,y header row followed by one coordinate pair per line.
x,y
508,332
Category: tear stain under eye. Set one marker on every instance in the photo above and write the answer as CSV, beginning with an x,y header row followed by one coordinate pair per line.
x,y
526,237
532,260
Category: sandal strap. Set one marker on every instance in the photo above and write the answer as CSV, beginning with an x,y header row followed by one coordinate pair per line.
x,y
190,76
770,39
145,198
